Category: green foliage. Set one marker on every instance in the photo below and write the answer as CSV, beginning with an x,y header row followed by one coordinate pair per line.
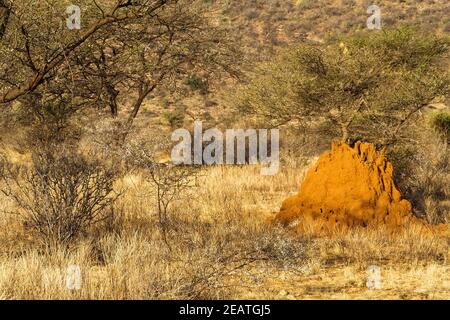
x,y
369,85
174,118
441,123
404,47
198,84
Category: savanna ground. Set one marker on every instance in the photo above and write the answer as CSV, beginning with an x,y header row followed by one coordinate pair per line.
x,y
220,245
137,77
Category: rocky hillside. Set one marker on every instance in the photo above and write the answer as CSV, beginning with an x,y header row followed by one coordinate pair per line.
x,y
276,22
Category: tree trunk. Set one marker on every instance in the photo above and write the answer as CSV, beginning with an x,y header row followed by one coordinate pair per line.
x,y
113,93
143,93
344,132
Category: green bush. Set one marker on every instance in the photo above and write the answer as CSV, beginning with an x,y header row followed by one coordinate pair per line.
x,y
198,84
441,123
174,118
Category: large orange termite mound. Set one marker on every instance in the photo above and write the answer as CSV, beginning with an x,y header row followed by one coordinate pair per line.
x,y
347,187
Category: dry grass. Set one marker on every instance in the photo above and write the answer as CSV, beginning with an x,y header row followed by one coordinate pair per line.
x,y
221,246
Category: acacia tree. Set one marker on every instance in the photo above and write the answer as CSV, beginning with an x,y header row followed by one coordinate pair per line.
x,y
124,50
368,85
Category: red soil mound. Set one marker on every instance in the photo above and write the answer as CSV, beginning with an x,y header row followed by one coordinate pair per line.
x,y
347,187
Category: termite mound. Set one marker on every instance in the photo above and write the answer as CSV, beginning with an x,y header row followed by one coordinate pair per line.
x,y
348,187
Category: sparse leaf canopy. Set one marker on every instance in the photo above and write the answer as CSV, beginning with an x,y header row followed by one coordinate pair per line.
x,y
366,85
124,50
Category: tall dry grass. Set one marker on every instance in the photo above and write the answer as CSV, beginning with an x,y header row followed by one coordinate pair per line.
x,y
221,246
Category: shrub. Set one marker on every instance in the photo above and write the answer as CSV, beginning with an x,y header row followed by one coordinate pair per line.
x,y
174,118
61,195
422,171
169,182
198,84
441,123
